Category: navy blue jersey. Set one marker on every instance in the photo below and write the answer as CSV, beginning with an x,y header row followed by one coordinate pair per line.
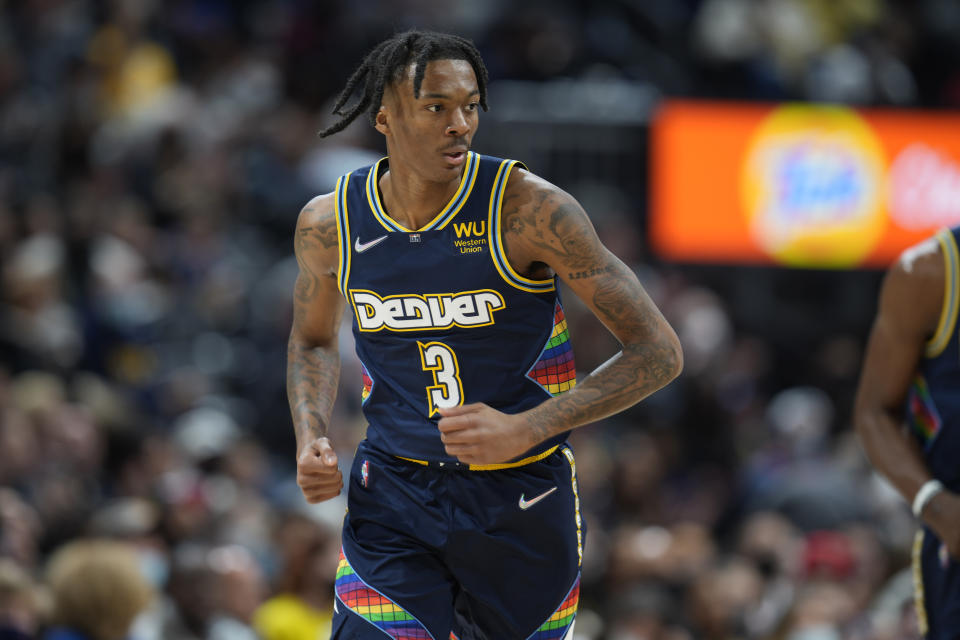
x,y
933,405
439,315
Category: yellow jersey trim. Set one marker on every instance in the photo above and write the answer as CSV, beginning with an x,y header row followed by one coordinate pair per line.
x,y
576,501
495,467
916,556
373,200
343,232
414,460
495,237
470,178
948,313
467,179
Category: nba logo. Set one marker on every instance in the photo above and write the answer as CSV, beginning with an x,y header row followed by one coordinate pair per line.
x,y
365,473
414,237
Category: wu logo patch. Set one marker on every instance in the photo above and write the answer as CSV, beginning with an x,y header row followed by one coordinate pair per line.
x,y
468,229
471,236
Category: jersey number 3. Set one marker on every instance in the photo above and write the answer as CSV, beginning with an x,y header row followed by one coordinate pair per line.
x,y
441,361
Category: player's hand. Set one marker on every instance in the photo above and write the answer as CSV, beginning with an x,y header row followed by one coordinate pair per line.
x,y
942,513
479,434
318,472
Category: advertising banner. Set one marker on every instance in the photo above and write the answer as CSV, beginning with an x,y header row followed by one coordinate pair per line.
x,y
802,185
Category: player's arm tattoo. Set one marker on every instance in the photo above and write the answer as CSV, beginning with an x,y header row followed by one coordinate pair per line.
x,y
313,367
544,220
312,378
595,271
324,232
647,362
561,236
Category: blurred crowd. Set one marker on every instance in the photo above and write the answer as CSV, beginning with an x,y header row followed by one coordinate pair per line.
x,y
153,159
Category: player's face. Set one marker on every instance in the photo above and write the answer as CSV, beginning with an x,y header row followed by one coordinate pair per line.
x,y
432,133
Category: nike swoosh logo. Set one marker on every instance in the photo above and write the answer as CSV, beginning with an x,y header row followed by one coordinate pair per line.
x,y
526,504
363,246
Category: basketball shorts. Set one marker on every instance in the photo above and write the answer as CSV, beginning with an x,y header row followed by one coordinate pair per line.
x,y
936,588
439,553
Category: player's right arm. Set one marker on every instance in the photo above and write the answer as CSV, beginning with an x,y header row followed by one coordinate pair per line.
x,y
910,304
313,357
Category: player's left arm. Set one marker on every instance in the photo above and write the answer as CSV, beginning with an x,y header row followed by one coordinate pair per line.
x,y
546,231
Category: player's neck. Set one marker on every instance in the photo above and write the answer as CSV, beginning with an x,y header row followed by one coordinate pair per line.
x,y
411,200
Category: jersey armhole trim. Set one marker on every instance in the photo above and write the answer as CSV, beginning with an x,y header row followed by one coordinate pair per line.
x,y
495,237
948,313
343,233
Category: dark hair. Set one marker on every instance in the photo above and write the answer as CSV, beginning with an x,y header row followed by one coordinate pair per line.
x,y
387,62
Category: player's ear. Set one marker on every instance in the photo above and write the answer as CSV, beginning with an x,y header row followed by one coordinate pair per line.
x,y
381,121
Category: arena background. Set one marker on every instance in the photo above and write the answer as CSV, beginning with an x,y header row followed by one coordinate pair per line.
x,y
153,159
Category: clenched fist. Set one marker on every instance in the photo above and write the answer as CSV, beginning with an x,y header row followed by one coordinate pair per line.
x,y
318,473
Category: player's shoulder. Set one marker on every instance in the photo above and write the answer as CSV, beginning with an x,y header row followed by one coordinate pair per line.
x,y
317,233
319,210
914,284
522,181
538,200
920,263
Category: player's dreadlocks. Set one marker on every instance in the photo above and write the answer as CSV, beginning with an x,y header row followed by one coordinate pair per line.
x,y
387,63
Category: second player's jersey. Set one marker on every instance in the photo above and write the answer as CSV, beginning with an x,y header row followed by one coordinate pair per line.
x,y
439,315
933,405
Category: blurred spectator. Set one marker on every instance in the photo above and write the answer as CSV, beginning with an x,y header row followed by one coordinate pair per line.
x,y
184,610
98,590
39,326
23,603
238,589
647,611
303,603
21,529
722,597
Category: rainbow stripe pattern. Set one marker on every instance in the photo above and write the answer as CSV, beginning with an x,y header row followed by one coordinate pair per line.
x,y
367,384
555,370
559,623
924,418
374,607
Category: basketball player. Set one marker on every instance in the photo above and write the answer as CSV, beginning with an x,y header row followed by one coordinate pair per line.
x,y
463,516
911,373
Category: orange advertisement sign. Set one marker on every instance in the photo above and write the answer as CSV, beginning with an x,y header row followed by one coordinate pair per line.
x,y
799,184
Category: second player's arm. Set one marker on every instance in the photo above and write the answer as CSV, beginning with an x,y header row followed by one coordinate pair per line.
x,y
313,356
546,231
909,309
